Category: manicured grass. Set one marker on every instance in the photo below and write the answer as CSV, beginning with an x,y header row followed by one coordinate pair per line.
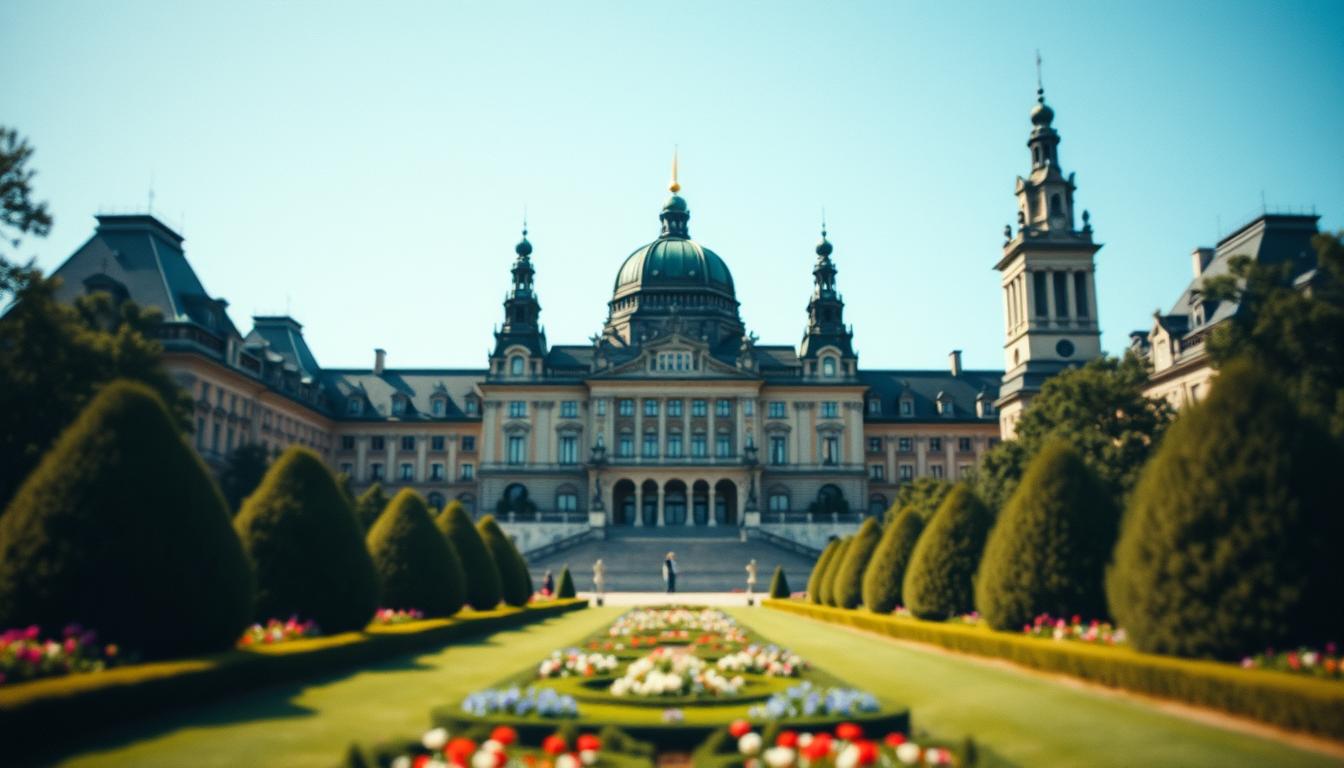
x,y
1022,717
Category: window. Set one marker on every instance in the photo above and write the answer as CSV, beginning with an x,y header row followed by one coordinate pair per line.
x,y
436,443
935,443
749,407
517,409
347,442
230,444
674,408
516,366
723,407
776,410
354,406
830,409
936,470
723,446
567,501
905,444
200,434
517,449
779,450
469,443
963,470
874,407
699,408
650,445
408,443
946,408
205,390
874,445
1080,294
778,502
964,444
569,449
398,405
468,471
830,450
907,407
569,409
347,469
650,407
699,446
376,443
828,367
436,471
376,471
1056,205
907,472
407,471
440,406
625,446
1039,289
877,472
473,406
674,446
625,407
602,407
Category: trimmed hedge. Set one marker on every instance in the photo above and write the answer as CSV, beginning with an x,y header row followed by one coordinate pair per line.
x,y
515,581
779,583
121,529
566,588
1295,702
369,505
886,570
940,581
849,577
483,582
816,578
832,568
306,547
416,565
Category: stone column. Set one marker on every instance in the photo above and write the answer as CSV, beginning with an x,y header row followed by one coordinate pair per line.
x,y
1072,309
1050,294
686,426
639,503
390,468
949,449
639,430
1029,291
662,437
361,455
740,440
450,465
661,519
712,439
921,456
421,449
710,501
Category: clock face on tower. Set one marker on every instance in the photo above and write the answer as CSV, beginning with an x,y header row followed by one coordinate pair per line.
x,y
1064,348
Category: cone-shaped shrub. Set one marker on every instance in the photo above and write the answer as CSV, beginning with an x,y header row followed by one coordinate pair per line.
x,y
886,569
306,547
940,580
1231,540
483,585
832,569
566,588
515,584
370,505
120,529
779,584
849,578
815,579
1049,549
417,567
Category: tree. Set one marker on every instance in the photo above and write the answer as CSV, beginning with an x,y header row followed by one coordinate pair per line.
x,y
849,576
120,528
483,580
566,588
306,547
939,582
1294,331
1049,549
779,584
369,505
815,579
924,495
1230,543
515,582
416,565
1101,410
832,568
345,483
243,469
886,570
19,213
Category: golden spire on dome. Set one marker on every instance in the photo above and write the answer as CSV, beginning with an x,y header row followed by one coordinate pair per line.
x,y
674,187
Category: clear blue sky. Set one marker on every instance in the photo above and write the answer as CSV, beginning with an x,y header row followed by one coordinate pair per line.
x,y
367,166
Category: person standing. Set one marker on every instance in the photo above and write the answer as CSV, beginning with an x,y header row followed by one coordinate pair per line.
x,y
548,585
751,577
599,579
670,571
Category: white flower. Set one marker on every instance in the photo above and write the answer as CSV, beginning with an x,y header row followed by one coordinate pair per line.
x,y
588,757
804,739
567,761
490,745
908,753
435,739
401,761
848,757
749,744
779,757
483,759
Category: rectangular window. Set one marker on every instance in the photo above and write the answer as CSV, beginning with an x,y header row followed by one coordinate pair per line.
x,y
776,410
398,406
723,446
602,406
779,502
625,407
517,449
469,443
935,443
408,443
876,472
907,472
907,408
376,443
699,448
874,445
674,408
1060,279
905,445
205,390
936,470
779,450
1038,280
874,407
748,407
440,406
674,446
376,471
569,409
567,502
436,471
723,407
650,445
1080,294
517,409
468,471
407,471
830,450
569,449
830,409
699,408
347,442
650,407
473,407
625,446
964,444
436,443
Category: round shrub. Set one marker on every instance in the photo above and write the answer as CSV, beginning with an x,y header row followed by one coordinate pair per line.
x,y
814,579
483,584
886,569
566,586
1048,551
120,528
940,580
1231,540
849,577
370,505
416,565
515,582
306,547
833,568
779,584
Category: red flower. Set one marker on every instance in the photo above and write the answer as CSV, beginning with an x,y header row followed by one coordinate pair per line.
x,y
894,740
739,728
818,747
787,739
459,750
504,735
554,745
420,761
588,742
848,731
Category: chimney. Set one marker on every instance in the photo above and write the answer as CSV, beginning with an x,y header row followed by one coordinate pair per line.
x,y
1200,258
379,360
954,362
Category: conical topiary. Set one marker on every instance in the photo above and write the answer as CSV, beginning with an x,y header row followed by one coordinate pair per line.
x,y
885,575
815,579
833,568
849,577
566,586
369,505
779,584
483,581
417,567
120,529
306,547
515,584
1231,540
940,580
1049,549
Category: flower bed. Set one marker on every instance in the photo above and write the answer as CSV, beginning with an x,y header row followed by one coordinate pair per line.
x,y
24,655
770,660
1302,661
669,672
277,631
531,701
808,700
503,745
1098,632
845,746
386,616
574,662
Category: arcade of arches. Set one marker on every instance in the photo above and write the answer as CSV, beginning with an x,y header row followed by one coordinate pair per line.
x,y
674,502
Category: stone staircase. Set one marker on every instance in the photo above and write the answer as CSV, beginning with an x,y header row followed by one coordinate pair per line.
x,y
708,560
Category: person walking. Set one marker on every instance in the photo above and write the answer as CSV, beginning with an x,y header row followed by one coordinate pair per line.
x,y
599,579
751,578
670,571
548,585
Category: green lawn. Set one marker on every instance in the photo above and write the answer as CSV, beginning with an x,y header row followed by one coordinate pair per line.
x,y
1019,715
1022,717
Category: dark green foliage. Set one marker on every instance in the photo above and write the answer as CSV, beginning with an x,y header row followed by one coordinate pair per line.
x,y
369,505
19,213
417,567
514,580
483,581
779,584
344,482
886,569
815,579
849,577
1231,542
306,547
924,495
121,529
1049,549
566,587
833,568
242,473
939,582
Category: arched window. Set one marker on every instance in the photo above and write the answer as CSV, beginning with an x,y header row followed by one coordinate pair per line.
x,y
828,367
468,501
515,501
516,365
830,500
1056,205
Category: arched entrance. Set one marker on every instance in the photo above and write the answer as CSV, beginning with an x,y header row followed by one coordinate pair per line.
x,y
700,503
674,503
725,502
650,511
623,503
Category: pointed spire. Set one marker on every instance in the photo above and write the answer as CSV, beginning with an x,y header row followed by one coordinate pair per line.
x,y
674,187
824,247
523,248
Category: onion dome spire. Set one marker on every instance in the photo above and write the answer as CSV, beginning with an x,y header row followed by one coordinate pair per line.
x,y
523,248
824,248
675,214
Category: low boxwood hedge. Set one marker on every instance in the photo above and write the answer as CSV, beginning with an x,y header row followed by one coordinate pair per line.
x,y
1299,703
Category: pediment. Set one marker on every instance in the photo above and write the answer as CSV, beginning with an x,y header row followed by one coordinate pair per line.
x,y
675,357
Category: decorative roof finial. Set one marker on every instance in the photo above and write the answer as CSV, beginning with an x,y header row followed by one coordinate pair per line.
x,y
823,222
674,187
523,248
1040,89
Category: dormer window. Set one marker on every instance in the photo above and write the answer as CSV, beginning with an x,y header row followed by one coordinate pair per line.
x,y
828,367
354,406
516,365
473,406
945,407
440,406
907,407
398,405
673,361
874,407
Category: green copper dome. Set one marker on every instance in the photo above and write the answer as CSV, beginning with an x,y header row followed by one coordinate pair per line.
x,y
674,263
